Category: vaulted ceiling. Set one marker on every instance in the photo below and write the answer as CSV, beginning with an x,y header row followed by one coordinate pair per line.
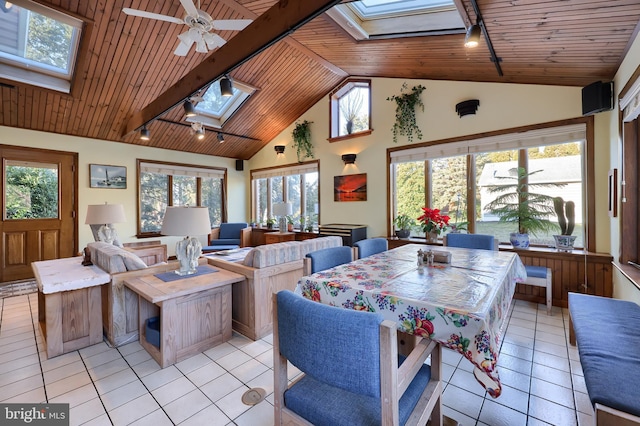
x,y
127,62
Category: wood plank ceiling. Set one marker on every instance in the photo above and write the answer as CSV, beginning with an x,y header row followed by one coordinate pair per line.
x,y
126,62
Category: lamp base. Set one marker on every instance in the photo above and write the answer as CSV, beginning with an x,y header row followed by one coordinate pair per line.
x,y
282,223
188,251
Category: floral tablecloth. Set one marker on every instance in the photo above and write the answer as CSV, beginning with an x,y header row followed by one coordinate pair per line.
x,y
463,305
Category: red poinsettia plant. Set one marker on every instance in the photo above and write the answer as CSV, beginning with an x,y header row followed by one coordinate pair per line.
x,y
433,221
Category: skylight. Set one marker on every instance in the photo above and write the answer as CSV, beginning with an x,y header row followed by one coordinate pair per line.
x,y
369,19
215,109
39,45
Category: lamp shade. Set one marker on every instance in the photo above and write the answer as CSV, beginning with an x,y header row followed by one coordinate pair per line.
x,y
183,221
282,209
100,214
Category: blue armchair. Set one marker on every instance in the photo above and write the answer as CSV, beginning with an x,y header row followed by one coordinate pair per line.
x,y
471,241
351,374
229,236
370,246
322,259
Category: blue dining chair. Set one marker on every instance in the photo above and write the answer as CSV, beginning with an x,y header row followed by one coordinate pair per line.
x,y
322,259
350,363
471,241
370,246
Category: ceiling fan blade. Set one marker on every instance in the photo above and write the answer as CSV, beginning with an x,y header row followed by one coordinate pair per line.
x,y
213,40
144,14
190,8
231,24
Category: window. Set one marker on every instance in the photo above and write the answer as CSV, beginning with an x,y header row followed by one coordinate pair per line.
x,y
370,19
297,185
163,184
214,109
38,45
350,106
455,177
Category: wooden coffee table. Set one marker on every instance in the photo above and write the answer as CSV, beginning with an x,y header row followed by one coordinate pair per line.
x,y
194,312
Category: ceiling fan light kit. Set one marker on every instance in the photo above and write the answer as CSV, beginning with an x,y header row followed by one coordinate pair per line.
x,y
200,24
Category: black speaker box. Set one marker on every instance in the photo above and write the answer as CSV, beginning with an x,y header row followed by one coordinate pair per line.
x,y
239,165
597,97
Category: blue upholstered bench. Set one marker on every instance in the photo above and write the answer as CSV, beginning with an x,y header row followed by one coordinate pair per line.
x,y
608,336
541,276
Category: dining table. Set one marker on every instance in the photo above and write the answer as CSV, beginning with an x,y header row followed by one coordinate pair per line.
x,y
462,304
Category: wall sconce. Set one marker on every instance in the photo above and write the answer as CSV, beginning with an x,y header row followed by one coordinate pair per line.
x,y
349,159
279,150
226,86
145,135
467,107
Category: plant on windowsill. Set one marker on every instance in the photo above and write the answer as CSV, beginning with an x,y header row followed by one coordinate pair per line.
x,y
403,224
433,223
290,223
566,212
270,222
406,104
302,140
516,203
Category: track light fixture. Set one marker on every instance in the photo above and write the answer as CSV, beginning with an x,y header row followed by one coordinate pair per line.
x,y
349,159
220,137
144,133
473,36
226,86
189,109
200,133
279,150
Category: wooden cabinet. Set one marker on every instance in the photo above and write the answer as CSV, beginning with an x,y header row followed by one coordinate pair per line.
x,y
279,237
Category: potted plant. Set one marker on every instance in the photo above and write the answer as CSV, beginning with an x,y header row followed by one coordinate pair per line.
x,y
290,223
403,224
406,104
302,140
566,212
433,223
270,222
517,203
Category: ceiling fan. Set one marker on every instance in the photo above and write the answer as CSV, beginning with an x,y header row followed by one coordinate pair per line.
x,y
200,25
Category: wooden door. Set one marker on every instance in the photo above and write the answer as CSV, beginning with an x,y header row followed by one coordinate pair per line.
x,y
38,209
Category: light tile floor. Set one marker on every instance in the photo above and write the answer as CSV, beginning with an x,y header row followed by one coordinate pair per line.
x,y
540,372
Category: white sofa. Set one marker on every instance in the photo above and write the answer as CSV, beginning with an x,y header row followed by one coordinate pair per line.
x,y
268,269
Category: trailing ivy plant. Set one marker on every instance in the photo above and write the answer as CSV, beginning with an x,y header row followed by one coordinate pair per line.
x,y
302,140
406,103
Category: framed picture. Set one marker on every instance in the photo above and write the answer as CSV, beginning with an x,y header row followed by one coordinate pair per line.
x,y
101,176
350,187
613,192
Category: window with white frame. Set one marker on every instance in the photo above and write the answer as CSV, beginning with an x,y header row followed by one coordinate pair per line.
x,y
38,45
455,177
297,184
350,106
167,184
214,109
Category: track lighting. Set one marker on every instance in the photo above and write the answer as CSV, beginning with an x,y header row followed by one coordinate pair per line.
x,y
473,36
226,86
200,133
220,137
144,133
189,109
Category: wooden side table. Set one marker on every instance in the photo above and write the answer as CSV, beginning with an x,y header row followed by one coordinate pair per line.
x,y
69,303
194,312
279,237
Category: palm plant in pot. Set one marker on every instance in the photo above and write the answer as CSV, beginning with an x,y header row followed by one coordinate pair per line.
x,y
403,224
566,212
518,203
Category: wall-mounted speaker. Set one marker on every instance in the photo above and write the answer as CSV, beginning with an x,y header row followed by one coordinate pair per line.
x,y
239,165
597,97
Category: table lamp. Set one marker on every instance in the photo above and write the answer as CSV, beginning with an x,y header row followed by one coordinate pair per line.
x,y
186,221
105,215
283,210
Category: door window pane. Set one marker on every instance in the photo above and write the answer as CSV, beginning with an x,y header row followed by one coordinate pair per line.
x,y
31,191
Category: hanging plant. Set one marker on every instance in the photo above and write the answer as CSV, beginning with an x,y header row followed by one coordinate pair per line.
x,y
406,104
302,140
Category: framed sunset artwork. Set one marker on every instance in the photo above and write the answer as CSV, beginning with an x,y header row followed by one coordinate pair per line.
x,y
350,187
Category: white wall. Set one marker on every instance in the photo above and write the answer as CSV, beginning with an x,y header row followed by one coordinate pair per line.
x,y
501,106
93,151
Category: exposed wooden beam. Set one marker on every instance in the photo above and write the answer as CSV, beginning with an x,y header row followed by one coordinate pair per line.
x,y
281,19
